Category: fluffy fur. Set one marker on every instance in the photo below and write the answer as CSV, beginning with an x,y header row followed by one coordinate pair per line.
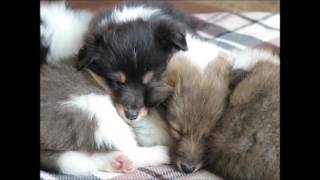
x,y
245,144
200,51
231,130
129,48
79,122
246,59
122,61
198,97
62,30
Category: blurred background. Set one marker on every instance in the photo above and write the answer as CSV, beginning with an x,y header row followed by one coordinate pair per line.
x,y
194,6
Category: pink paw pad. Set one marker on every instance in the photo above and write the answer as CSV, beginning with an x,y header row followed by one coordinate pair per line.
x,y
122,163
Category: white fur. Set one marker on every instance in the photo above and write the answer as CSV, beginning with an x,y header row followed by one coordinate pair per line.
x,y
110,127
148,156
63,30
80,163
131,13
199,52
76,163
246,59
151,131
113,132
107,175
103,160
46,176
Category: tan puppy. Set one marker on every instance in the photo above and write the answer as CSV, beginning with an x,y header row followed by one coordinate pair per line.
x,y
234,132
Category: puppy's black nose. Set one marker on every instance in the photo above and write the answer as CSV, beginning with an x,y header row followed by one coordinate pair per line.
x,y
131,114
187,169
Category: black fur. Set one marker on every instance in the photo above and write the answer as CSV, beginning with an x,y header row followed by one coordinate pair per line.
x,y
168,9
106,51
134,48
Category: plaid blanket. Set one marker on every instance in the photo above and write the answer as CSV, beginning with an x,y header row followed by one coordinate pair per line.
x,y
232,30
229,30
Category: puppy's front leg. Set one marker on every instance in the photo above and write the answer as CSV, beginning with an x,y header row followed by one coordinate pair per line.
x,y
112,131
149,156
143,156
113,134
114,161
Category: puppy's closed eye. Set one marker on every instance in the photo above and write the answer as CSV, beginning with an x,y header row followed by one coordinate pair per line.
x,y
175,130
117,79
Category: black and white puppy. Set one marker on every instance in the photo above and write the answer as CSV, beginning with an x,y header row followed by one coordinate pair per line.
x,y
124,55
129,48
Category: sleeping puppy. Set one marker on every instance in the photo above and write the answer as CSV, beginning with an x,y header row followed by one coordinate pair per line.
x,y
85,115
154,127
199,94
226,118
129,47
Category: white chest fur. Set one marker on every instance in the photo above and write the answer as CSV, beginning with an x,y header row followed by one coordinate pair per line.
x,y
200,52
151,131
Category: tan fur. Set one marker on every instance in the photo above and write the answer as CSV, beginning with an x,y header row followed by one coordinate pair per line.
x,y
121,77
257,81
235,133
245,144
197,98
99,80
147,77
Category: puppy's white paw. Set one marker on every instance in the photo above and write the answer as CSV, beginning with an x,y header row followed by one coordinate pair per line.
x,y
114,161
122,164
149,156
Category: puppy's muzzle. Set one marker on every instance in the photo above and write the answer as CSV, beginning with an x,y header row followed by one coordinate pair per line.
x,y
131,114
187,168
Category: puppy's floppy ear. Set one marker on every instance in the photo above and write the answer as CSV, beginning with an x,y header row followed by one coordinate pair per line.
x,y
157,94
171,35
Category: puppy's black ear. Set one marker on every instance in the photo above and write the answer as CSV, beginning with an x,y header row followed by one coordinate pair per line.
x,y
171,35
157,94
